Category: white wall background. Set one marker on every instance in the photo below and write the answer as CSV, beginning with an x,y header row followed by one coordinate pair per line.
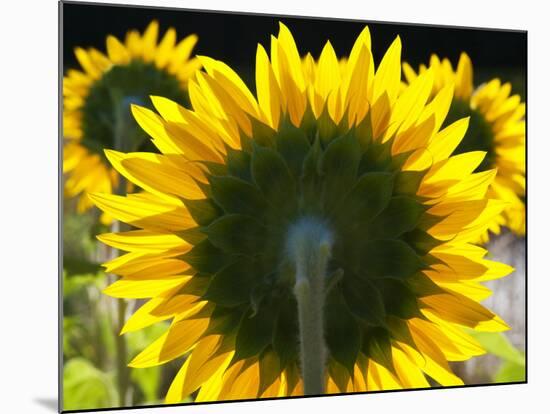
x,y
28,204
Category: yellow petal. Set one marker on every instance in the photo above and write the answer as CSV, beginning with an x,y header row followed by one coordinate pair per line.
x,y
388,75
267,88
139,211
117,51
178,340
145,241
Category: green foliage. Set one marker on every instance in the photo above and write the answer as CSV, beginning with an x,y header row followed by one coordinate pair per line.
x,y
146,379
85,386
512,368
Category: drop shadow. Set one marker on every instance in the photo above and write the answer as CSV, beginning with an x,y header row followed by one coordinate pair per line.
x,y
49,403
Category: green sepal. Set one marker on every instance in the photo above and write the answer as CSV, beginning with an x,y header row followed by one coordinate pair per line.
x,y
215,168
286,332
422,285
342,334
369,196
389,258
262,134
378,347
293,145
270,369
206,258
310,179
399,299
408,182
338,165
327,129
196,286
421,241
376,158
238,164
400,216
237,196
232,285
272,176
193,235
237,234
364,300
255,333
363,132
203,211
224,321
337,375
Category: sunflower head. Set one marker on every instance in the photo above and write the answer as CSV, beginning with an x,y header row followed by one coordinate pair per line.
x,y
96,101
328,190
496,126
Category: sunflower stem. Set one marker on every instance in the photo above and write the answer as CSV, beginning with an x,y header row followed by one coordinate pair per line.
x,y
309,245
123,375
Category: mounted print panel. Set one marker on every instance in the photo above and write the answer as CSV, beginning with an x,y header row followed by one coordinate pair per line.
x,y
261,207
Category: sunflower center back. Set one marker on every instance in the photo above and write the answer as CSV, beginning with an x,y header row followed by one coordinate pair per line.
x,y
338,176
478,137
107,107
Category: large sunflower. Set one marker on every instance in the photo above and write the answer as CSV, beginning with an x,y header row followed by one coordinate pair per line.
x,y
497,126
316,235
96,101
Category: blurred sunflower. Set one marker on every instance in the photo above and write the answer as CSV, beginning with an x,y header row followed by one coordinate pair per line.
x,y
96,102
497,126
323,214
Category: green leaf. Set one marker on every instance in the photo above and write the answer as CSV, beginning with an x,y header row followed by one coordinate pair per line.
x,y
364,300
234,195
389,258
498,344
255,333
236,233
73,285
79,265
148,380
400,216
510,372
233,285
86,387
272,176
342,334
399,299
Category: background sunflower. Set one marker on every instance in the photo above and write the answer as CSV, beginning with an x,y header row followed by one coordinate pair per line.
x,y
497,126
96,100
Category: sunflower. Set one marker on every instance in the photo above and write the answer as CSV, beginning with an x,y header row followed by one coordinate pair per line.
x,y
497,126
312,238
96,102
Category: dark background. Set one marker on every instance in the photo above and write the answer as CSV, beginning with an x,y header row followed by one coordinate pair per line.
x,y
233,37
